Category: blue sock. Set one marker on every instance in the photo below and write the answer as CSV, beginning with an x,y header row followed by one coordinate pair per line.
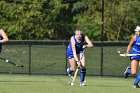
x,y
69,70
137,80
129,70
82,74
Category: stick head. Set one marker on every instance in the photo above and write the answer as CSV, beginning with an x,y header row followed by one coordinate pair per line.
x,y
20,66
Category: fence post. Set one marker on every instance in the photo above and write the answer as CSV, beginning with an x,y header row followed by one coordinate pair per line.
x,y
102,38
30,59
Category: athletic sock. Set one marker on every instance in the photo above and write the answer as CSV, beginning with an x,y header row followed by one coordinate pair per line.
x,y
69,71
137,80
128,70
82,74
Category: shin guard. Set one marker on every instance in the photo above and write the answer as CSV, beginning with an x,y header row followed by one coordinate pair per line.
x,y
82,74
137,80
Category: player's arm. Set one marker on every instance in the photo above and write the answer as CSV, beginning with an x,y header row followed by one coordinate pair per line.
x,y
131,43
3,34
89,43
74,48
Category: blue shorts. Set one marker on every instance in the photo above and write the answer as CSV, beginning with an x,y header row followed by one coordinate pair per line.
x,y
70,56
134,57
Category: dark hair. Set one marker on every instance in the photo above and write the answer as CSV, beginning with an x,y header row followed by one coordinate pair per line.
x,y
83,37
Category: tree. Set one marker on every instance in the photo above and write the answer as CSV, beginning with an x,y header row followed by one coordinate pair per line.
x,y
28,19
120,19
57,19
88,16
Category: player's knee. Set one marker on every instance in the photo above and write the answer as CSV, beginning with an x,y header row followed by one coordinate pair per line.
x,y
133,73
73,68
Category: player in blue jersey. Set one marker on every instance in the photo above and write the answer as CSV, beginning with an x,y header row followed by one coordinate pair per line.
x,y
134,48
3,38
75,50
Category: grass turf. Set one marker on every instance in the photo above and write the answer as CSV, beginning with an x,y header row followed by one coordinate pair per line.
x,y
59,84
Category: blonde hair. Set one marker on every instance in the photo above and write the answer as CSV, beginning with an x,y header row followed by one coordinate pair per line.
x,y
78,31
137,33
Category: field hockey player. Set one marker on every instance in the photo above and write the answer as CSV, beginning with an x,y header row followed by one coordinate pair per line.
x,y
134,48
3,38
74,51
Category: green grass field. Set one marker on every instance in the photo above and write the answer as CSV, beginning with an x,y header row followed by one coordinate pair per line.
x,y
51,60
59,84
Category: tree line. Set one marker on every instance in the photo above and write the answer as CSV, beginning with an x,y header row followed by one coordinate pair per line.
x,y
57,19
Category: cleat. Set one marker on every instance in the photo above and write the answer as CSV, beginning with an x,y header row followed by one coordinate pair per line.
x,y
136,86
126,73
70,73
83,83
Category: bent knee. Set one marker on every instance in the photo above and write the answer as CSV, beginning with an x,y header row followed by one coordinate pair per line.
x,y
133,73
73,68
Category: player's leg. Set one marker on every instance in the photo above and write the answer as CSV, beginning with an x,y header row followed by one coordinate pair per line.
x,y
82,71
131,70
134,66
72,67
137,80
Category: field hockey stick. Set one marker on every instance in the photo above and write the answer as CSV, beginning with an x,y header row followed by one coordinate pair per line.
x,y
75,74
12,63
127,55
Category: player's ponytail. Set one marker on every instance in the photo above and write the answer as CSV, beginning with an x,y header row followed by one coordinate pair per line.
x,y
83,37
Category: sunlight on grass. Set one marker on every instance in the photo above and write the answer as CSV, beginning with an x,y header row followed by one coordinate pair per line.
x,y
59,84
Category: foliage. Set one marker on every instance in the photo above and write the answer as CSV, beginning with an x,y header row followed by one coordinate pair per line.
x,y
120,19
89,17
28,19
57,19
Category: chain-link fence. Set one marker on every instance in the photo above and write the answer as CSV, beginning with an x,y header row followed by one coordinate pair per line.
x,y
42,57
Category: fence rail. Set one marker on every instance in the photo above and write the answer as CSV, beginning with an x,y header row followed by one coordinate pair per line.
x,y
97,43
